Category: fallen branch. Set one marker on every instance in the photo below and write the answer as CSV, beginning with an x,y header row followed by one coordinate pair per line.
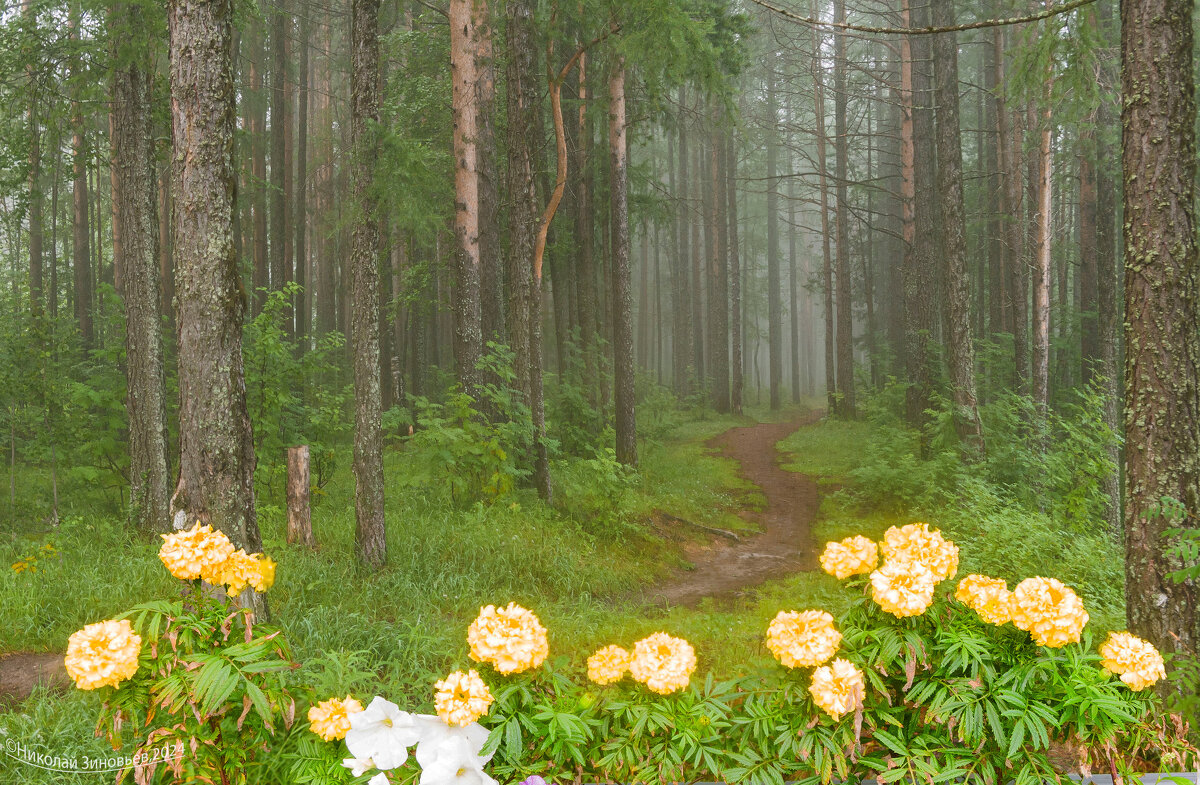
x,y
710,529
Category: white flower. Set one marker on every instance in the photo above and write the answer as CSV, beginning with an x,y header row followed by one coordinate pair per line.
x,y
358,765
450,755
382,733
378,779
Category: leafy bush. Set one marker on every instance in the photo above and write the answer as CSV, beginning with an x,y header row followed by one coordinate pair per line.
x,y
593,490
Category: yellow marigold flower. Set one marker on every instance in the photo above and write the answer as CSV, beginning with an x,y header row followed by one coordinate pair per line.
x,y
462,698
242,569
103,654
903,588
917,543
511,639
195,553
988,597
663,663
803,639
608,665
852,556
330,719
1050,611
838,688
1136,661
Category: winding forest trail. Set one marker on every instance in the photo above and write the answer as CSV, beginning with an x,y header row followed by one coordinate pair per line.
x,y
725,569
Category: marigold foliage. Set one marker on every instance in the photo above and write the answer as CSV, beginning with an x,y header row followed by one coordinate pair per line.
x,y
511,639
663,663
803,639
103,654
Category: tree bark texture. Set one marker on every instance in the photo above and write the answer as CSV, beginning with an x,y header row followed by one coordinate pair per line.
x,y
468,330
133,171
1162,313
845,306
216,471
622,294
299,506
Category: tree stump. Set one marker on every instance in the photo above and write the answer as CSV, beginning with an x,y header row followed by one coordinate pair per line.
x,y
299,515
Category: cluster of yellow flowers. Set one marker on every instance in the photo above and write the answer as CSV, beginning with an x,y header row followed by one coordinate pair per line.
x,y
1137,662
803,639
609,665
1051,612
916,559
103,654
663,663
205,553
838,688
988,597
855,555
511,639
330,719
462,698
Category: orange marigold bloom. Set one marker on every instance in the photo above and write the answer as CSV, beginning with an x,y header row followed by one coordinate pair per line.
x,y
330,719
1051,612
511,639
609,665
803,639
903,588
838,688
663,663
462,698
103,654
856,555
1136,661
988,597
916,542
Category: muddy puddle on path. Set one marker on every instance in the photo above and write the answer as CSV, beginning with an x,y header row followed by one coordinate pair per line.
x,y
726,569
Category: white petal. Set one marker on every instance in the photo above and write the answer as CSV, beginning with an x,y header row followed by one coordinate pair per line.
x,y
378,779
358,765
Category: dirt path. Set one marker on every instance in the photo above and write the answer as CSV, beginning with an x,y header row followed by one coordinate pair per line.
x,y
726,569
20,673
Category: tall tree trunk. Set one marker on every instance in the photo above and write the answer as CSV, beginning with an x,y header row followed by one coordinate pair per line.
x,y
622,295
468,331
585,234
80,253
774,287
681,300
793,283
256,121
1162,314
718,274
1008,164
279,144
845,308
300,191
216,471
1088,268
735,276
961,355
1042,259
137,224
920,278
818,77
491,289
35,178
369,534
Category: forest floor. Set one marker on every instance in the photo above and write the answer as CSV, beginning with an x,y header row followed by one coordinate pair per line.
x,y
727,567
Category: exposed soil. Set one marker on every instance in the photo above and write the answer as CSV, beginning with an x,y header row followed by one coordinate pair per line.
x,y
725,569
21,672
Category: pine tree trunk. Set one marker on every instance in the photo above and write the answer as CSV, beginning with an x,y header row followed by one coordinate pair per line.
x,y
256,122
774,286
300,191
845,308
961,354
735,277
370,538
681,300
279,135
468,331
135,183
1088,284
216,472
718,275
80,253
818,77
920,277
491,289
622,295
1162,314
585,234
35,180
1042,261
